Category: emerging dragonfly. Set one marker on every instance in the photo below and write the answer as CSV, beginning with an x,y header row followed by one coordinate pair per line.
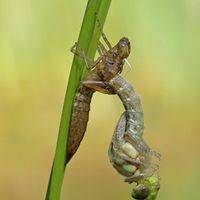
x,y
106,67
129,153
131,158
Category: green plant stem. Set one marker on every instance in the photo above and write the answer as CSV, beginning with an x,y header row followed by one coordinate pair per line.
x,y
88,39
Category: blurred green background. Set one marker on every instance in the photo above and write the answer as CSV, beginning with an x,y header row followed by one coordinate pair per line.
x,y
35,61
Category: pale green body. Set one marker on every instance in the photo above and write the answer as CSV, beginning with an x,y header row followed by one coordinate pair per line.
x,y
128,152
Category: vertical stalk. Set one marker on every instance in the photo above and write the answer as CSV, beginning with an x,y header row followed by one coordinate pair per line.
x,y
88,39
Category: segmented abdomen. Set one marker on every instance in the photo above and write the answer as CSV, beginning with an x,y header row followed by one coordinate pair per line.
x,y
132,104
80,114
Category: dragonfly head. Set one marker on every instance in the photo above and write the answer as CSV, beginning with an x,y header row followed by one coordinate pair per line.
x,y
147,190
124,48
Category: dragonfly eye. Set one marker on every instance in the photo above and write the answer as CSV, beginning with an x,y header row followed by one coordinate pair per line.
x,y
141,192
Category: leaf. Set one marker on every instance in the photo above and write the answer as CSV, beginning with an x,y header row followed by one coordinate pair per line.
x,y
88,39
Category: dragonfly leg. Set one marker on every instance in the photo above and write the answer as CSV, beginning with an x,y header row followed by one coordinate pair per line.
x,y
99,51
79,54
99,86
102,85
134,177
133,161
85,57
103,49
102,34
158,155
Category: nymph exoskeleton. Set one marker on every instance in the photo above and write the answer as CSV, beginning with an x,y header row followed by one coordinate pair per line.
x,y
106,67
129,153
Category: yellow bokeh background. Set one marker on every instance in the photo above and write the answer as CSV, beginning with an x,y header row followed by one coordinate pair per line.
x,y
35,61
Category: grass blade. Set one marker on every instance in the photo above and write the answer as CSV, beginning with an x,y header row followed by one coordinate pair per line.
x,y
88,39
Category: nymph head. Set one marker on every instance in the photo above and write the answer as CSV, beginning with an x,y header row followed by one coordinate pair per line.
x,y
124,47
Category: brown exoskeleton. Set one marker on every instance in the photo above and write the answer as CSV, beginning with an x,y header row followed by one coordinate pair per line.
x,y
105,67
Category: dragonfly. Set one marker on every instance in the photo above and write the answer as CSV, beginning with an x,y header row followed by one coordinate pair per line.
x,y
104,68
128,152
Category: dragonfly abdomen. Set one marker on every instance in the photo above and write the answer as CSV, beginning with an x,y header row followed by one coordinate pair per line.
x,y
132,104
79,119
